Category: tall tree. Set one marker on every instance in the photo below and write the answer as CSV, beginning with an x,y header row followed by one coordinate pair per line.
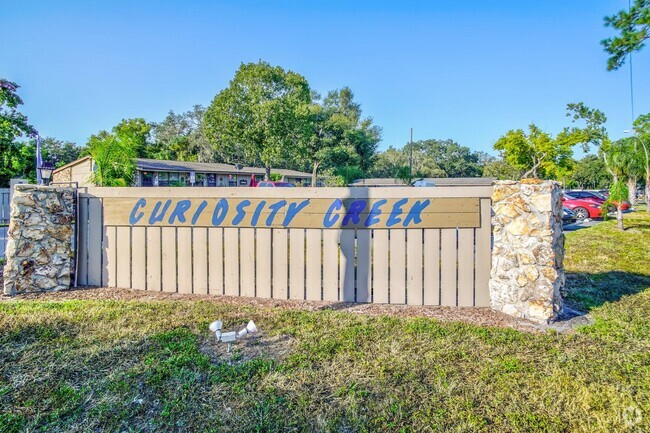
x,y
259,114
336,135
13,125
60,152
135,133
180,137
537,153
642,141
634,29
590,172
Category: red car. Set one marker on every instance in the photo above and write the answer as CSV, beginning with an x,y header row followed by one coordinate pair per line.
x,y
597,196
267,183
583,207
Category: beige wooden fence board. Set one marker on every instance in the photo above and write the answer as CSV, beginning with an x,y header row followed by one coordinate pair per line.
x,y
123,253
109,265
380,266
247,261
280,264
330,265
314,260
184,257
297,264
168,235
289,193
483,255
82,247
200,260
364,266
139,258
154,259
263,254
310,213
448,267
431,267
346,269
231,261
414,245
397,266
215,261
465,267
95,237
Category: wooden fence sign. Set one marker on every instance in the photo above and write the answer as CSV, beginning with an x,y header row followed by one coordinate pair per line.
x,y
321,213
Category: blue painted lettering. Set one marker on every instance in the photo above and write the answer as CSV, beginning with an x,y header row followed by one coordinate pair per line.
x,y
134,218
258,211
179,211
155,215
241,213
394,218
293,210
373,216
220,211
414,213
353,212
198,212
275,207
329,220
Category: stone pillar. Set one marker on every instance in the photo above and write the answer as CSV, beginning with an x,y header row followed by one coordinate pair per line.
x,y
40,248
527,258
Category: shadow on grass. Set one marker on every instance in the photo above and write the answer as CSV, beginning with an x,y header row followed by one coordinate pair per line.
x,y
585,291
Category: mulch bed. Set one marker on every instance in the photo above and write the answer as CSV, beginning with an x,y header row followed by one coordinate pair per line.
x,y
471,315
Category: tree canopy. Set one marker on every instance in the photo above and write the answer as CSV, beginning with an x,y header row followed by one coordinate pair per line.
x,y
258,115
537,153
13,125
633,28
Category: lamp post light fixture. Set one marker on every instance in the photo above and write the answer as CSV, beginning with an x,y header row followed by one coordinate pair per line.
x,y
46,170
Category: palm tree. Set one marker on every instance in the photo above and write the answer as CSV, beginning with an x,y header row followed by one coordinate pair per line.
x,y
113,160
621,161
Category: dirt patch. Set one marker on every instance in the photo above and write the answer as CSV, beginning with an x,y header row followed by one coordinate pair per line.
x,y
475,316
259,345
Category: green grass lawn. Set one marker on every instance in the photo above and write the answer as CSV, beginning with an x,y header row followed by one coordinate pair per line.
x,y
149,365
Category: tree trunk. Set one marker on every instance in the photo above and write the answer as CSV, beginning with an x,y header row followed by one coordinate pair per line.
x,y
314,173
267,173
631,191
647,191
619,217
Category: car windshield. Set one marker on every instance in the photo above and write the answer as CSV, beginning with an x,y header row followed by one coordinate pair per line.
x,y
569,196
600,196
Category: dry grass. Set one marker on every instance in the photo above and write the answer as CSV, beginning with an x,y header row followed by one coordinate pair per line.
x,y
149,364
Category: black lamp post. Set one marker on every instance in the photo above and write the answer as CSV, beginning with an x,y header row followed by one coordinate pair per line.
x,y
46,170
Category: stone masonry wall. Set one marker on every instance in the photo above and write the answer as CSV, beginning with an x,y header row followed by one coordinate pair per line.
x,y
527,257
41,239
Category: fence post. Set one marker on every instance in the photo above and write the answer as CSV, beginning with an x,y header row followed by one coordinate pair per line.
x,y
40,250
527,258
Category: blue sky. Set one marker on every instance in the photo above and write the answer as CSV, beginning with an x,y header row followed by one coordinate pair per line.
x,y
467,70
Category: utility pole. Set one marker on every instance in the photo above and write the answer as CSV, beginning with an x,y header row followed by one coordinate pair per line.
x,y
411,156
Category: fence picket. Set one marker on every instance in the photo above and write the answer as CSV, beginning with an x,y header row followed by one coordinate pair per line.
x,y
297,264
448,267
263,254
247,261
184,257
313,266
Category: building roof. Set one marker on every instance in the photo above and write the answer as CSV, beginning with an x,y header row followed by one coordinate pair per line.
x,y
437,181
144,164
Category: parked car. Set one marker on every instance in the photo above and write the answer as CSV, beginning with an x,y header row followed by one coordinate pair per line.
x,y
598,196
568,216
267,183
582,208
